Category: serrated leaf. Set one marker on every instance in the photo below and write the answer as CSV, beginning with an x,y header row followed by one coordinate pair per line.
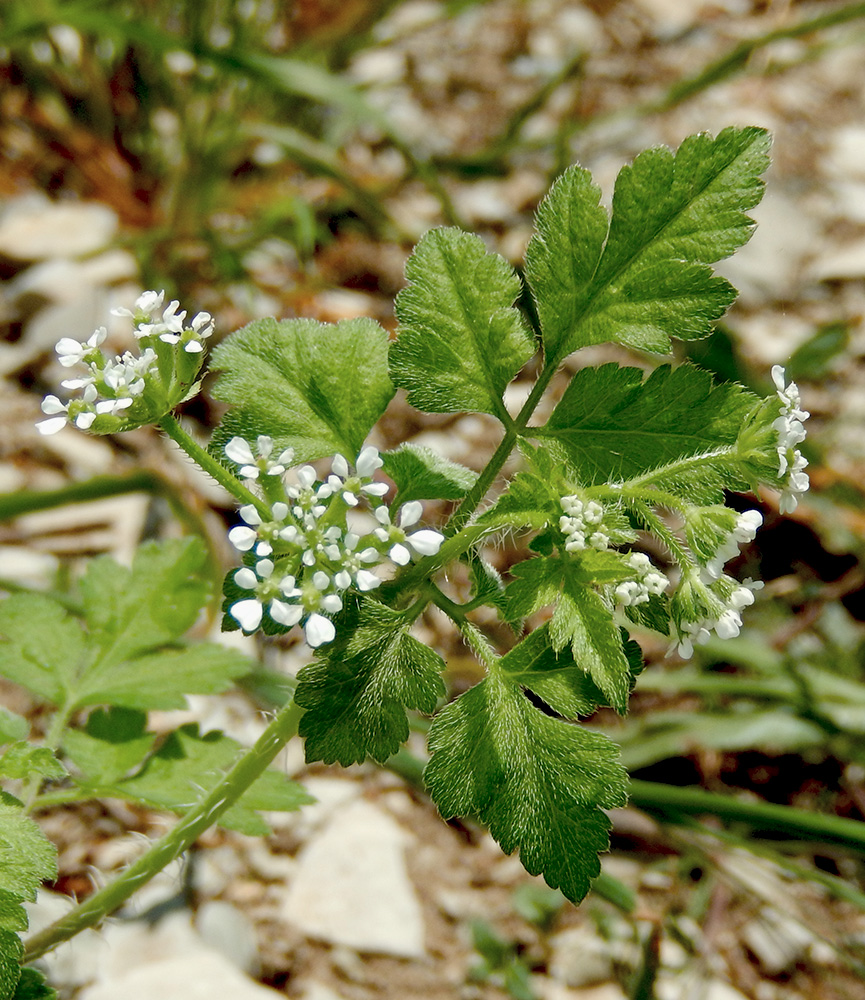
x,y
130,611
315,387
112,743
611,425
11,950
537,782
27,857
356,694
32,986
584,623
460,340
13,916
528,502
487,584
536,583
648,277
188,765
161,679
23,759
422,474
554,677
44,646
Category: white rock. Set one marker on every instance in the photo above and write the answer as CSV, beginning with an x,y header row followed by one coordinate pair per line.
x,y
201,974
74,962
847,261
846,155
352,887
59,279
314,990
549,989
579,957
230,932
34,228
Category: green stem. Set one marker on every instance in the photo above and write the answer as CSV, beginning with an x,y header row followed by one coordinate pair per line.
x,y
173,844
208,463
672,799
28,501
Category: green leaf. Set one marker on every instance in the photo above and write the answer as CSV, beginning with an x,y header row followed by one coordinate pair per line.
x,y
23,759
536,583
112,744
132,611
12,726
583,622
554,677
187,766
355,695
460,339
611,425
648,277
315,387
529,502
27,857
537,782
161,679
422,474
32,986
44,646
11,950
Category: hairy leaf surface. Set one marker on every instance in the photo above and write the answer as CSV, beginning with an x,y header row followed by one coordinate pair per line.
x,y
315,387
537,782
356,693
460,339
612,425
647,277
422,474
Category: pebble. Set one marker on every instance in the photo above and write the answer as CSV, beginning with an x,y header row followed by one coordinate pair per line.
x,y
35,228
352,887
579,957
200,974
230,932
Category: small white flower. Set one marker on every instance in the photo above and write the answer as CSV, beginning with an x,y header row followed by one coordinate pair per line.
x,y
70,352
251,465
425,542
52,405
791,431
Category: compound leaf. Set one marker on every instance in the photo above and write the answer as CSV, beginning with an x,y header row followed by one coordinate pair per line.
x,y
648,277
460,339
27,857
315,387
537,782
356,694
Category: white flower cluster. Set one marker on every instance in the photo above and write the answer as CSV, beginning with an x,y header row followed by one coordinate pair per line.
x,y
725,623
648,581
744,531
110,386
581,524
167,324
307,554
791,431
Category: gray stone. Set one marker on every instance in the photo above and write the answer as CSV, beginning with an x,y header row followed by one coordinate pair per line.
x,y
352,887
34,228
198,975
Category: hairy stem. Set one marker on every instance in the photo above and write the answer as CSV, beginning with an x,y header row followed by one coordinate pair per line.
x,y
208,463
173,844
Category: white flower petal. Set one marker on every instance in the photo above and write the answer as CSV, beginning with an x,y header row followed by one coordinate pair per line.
x,y
51,404
285,614
246,578
239,450
410,513
249,513
400,554
242,538
368,461
426,542
50,426
247,613
318,630
366,580
339,466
